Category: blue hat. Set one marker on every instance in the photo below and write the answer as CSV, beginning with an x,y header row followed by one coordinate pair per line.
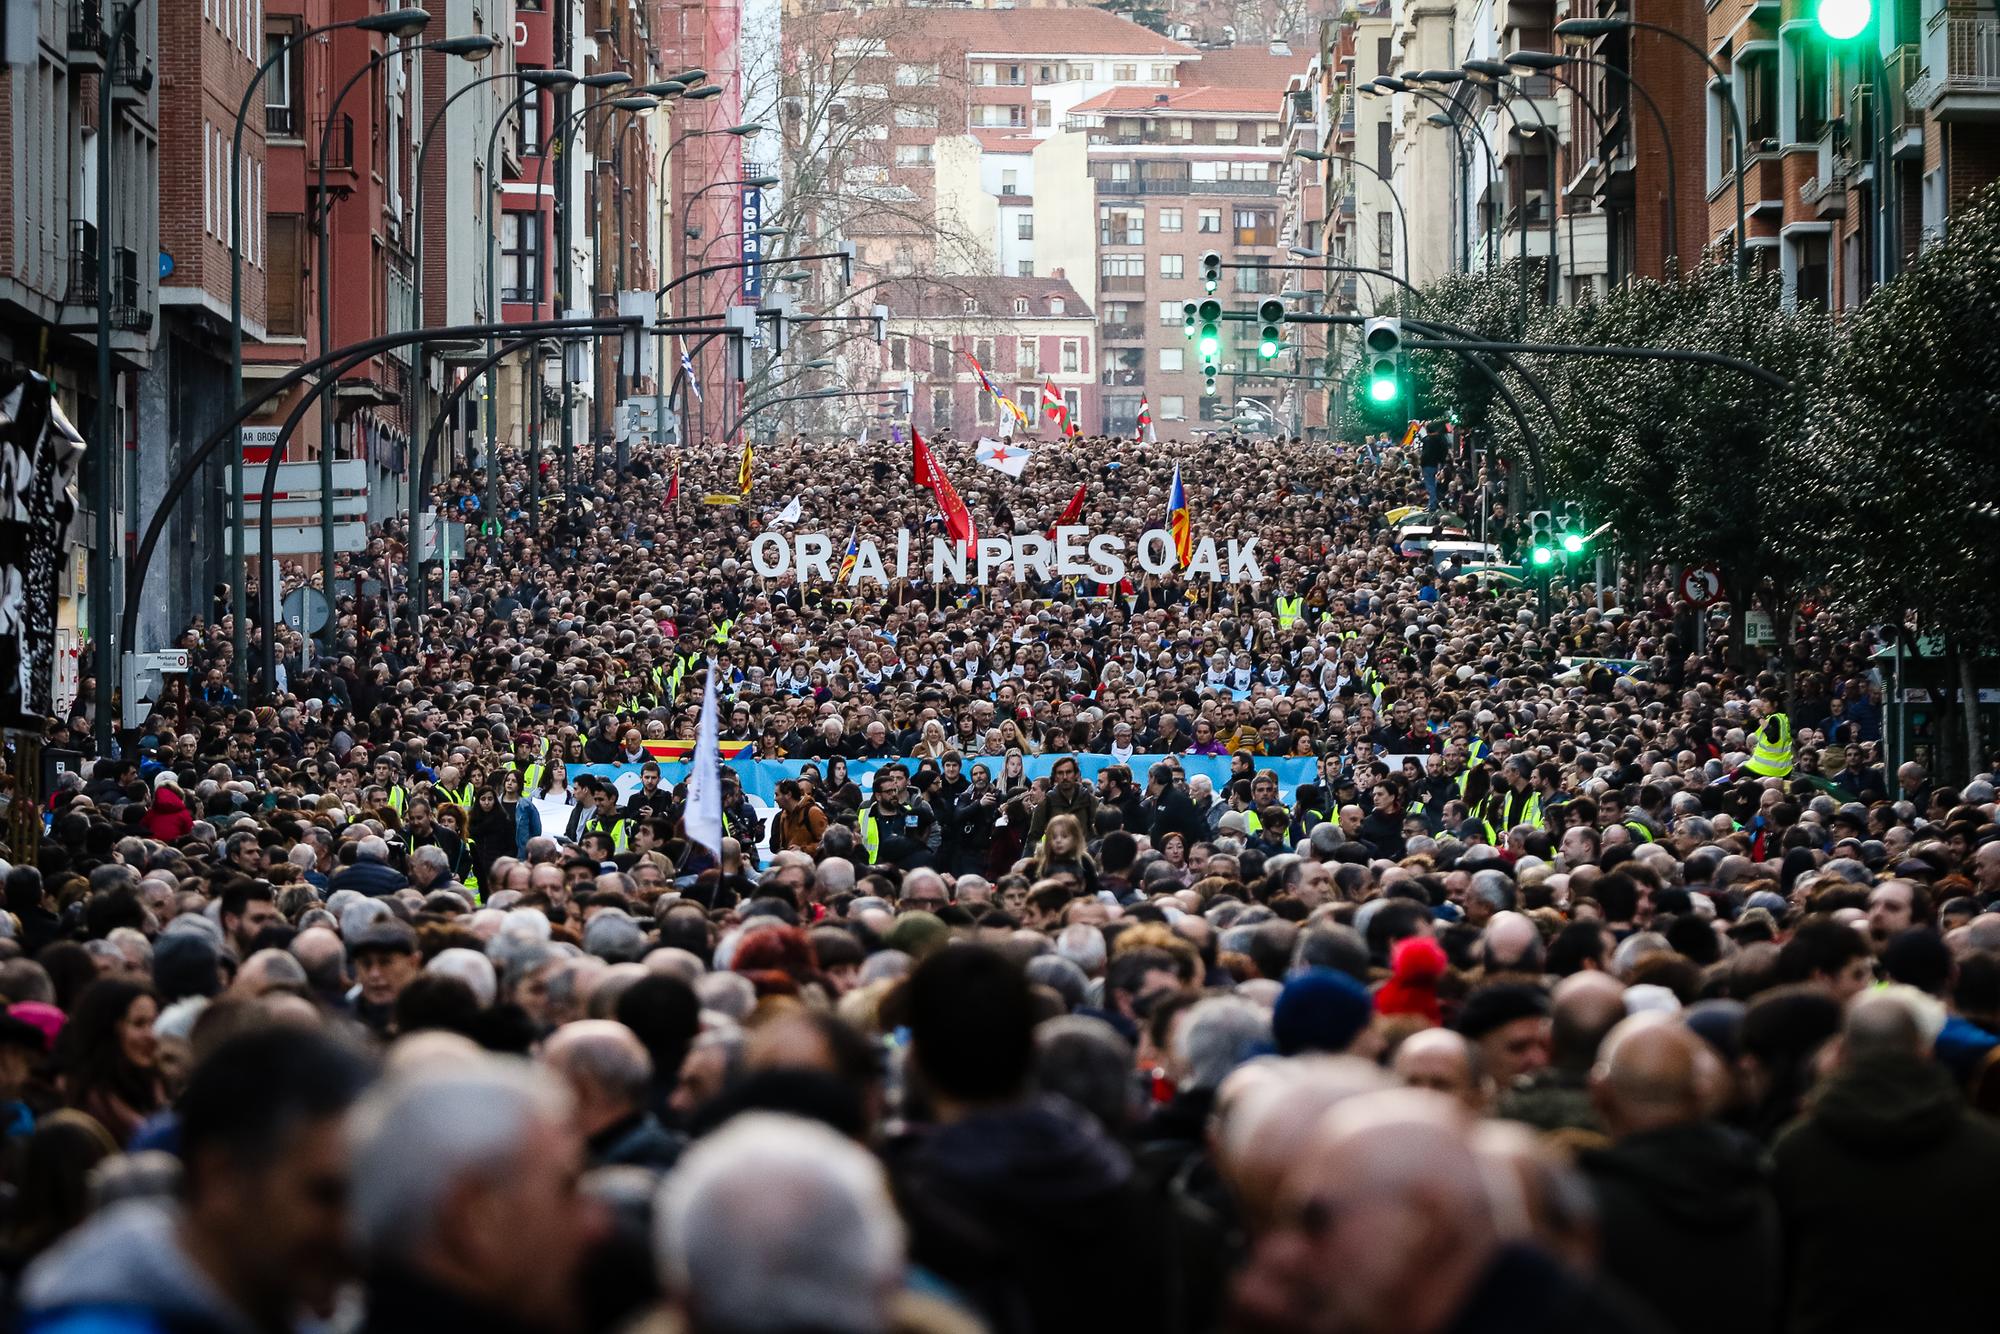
x,y
1321,1009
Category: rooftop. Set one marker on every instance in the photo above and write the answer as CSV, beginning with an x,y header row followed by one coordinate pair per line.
x,y
991,298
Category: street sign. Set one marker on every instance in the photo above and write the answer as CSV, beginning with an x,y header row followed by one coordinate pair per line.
x,y
305,541
427,537
1758,631
258,442
167,660
305,610
296,479
143,681
1700,585
293,511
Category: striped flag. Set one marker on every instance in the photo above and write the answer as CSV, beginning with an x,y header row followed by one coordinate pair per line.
x,y
1180,521
687,369
1146,420
743,470
849,556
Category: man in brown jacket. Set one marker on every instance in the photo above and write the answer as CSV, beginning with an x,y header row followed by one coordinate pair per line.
x,y
799,822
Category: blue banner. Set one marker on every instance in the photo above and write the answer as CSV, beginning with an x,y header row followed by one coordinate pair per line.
x,y
761,777
753,245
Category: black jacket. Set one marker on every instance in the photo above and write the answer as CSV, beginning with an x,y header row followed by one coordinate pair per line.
x,y
1026,1210
1699,1193
400,1302
637,1141
1879,1186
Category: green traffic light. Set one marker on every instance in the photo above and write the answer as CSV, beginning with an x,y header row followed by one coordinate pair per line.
x,y
1572,543
1843,20
1382,389
1542,556
1268,348
1210,345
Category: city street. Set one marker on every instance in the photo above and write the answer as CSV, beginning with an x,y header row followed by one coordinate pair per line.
x,y
652,688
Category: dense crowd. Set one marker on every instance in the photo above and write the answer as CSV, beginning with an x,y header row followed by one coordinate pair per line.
x,y
1592,980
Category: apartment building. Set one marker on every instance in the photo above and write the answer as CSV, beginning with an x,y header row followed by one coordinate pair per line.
x,y
1024,332
1175,172
51,277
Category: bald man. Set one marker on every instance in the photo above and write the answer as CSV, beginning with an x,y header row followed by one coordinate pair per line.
x,y
1676,1183
1385,1226
1443,1062
611,1075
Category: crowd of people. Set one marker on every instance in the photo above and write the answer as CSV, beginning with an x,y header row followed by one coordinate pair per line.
x,y
1597,976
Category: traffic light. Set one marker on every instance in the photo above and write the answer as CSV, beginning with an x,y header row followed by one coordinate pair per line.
x,y
1843,20
1211,270
1271,314
1541,540
1208,381
1209,343
1571,533
1382,356
1188,310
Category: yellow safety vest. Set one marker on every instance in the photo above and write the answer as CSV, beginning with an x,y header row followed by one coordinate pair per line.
x,y
1288,611
460,797
871,834
399,799
615,830
1638,830
1772,759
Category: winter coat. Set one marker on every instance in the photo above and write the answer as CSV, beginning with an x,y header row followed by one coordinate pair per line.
x,y
1879,1186
1025,1210
1701,1194
167,819
125,1269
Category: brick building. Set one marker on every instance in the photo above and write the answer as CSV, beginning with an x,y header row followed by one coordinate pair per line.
x,y
1023,331
1175,172
49,195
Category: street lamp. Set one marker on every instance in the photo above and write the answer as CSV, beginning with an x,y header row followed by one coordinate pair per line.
x,y
703,93
1548,62
1494,76
397,23
471,47
1583,29
1402,214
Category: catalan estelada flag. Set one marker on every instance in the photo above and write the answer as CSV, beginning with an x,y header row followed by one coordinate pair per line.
x,y
1180,521
743,470
849,556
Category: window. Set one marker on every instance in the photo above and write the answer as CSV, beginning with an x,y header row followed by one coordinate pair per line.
x,y
1122,266
995,118
1180,129
1170,220
207,178
1025,363
528,132
982,409
1010,181
1757,85
1208,220
940,409
1044,115
1172,407
1056,305
1385,58
916,76
1721,143
1020,305
1015,76
1230,171
1807,272
1805,75
1163,74
1046,73
941,361
1256,227
1385,152
1124,74
1227,132
281,85
913,155
1385,240
1172,359
520,255
1072,403
1024,227
1171,314
916,118
284,292
899,354
1117,312
1072,357
1255,278
1172,267
1024,268
1119,225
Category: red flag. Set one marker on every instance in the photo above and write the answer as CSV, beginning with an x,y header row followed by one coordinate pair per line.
x,y
674,485
929,474
1053,405
1070,513
1146,420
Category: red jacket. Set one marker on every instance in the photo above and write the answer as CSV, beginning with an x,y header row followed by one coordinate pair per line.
x,y
167,819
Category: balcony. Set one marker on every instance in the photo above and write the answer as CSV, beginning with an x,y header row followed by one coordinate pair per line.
x,y
1121,282
1825,191
1122,333
281,122
82,288
1961,67
131,63
87,41
128,293
1130,377
333,151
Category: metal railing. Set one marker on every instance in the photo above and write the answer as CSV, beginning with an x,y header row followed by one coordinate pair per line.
x,y
86,27
1121,282
128,293
1122,333
337,148
82,288
281,122
131,66
1961,53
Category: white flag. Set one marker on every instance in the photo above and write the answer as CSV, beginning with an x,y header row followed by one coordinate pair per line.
x,y
861,437
1003,456
790,514
704,807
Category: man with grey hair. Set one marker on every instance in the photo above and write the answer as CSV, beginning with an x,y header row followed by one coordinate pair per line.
x,y
1083,945
775,1224
610,1078
463,1202
371,874
614,937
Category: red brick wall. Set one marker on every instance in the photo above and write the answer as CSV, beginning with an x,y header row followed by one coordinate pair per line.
x,y
202,78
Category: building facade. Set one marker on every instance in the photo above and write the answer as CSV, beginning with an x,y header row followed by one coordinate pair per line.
x,y
1025,333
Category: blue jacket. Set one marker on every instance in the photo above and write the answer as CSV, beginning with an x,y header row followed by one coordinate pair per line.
x,y
527,822
375,879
